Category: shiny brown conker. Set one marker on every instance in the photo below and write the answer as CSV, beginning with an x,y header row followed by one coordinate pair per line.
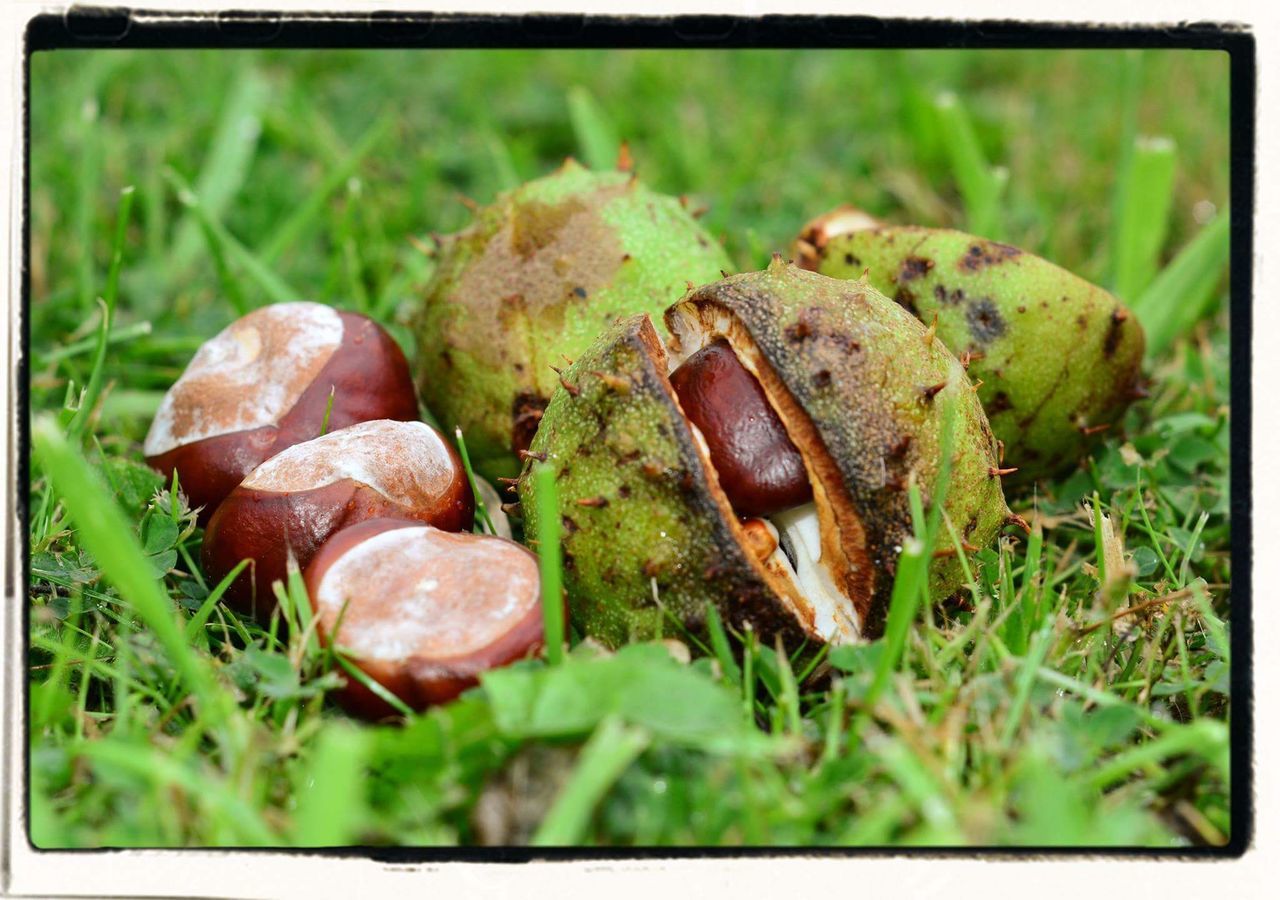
x,y
264,384
759,467
422,612
297,499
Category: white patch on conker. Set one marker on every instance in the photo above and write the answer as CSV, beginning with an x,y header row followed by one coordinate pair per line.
x,y
250,375
407,462
425,593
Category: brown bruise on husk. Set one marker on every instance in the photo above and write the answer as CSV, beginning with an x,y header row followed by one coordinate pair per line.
x,y
641,506
541,253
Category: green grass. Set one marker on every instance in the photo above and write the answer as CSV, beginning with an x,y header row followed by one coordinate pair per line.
x,y
1076,692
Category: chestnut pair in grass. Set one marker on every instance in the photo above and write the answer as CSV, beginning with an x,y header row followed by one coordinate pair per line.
x,y
295,430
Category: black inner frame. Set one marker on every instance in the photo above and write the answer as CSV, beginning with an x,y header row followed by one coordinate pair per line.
x,y
105,28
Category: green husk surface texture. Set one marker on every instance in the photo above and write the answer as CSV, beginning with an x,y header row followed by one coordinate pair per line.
x,y
535,278
1058,357
648,540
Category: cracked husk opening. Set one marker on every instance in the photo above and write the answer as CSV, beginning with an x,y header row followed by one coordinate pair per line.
x,y
775,571
829,587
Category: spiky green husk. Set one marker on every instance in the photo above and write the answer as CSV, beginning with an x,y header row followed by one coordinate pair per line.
x,y
1059,358
535,278
638,515
641,510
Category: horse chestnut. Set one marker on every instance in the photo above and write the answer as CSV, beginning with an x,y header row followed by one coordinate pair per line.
x,y
759,467
423,612
661,451
298,498
263,384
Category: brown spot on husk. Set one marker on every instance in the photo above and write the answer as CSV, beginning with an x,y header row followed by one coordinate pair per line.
x,y
986,253
999,403
805,326
907,300
542,261
1112,340
914,267
984,320
948,298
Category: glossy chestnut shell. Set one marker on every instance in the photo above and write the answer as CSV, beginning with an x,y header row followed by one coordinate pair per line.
x,y
264,384
423,612
297,499
759,467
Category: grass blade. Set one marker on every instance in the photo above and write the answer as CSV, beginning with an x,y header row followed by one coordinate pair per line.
x,y
504,166
75,348
720,646
611,748
908,584
307,212
214,795
271,283
109,537
481,509
1099,543
195,625
1206,738
789,696
1014,630
596,136
90,397
374,687
1184,569
1184,292
89,176
226,165
919,784
1138,233
918,114
331,801
1029,596
1130,94
911,582
835,723
1025,681
230,287
980,184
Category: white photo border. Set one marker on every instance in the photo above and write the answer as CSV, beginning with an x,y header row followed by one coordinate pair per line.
x,y
25,871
